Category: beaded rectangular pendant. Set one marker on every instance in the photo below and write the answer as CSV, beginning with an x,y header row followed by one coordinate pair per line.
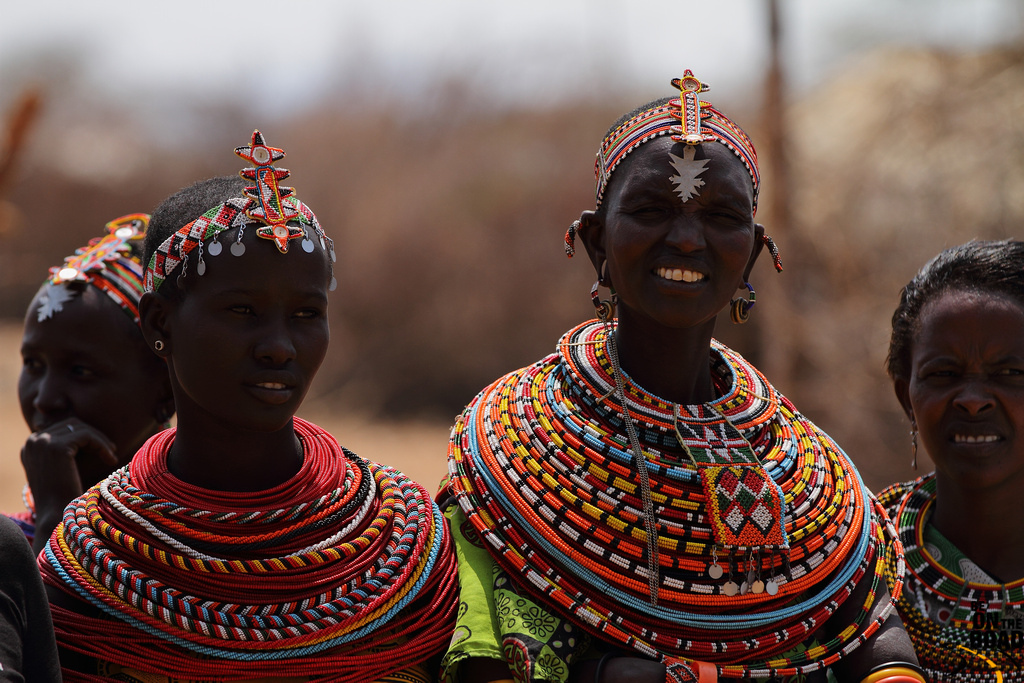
x,y
745,506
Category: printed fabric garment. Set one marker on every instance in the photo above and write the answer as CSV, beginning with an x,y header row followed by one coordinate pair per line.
x,y
764,528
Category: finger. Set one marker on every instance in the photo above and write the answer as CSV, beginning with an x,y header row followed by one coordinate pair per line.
x,y
80,436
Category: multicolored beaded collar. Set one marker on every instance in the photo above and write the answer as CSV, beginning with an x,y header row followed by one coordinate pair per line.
x,y
543,470
688,120
106,263
265,203
975,631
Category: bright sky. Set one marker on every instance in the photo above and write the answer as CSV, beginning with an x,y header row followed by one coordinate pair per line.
x,y
527,50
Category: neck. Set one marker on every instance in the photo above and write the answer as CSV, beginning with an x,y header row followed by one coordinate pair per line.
x,y
224,458
983,526
673,364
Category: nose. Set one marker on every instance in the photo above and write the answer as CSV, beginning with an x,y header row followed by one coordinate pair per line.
x,y
686,233
275,346
974,397
51,399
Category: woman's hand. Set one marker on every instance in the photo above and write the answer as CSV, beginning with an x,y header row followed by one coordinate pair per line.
x,y
51,460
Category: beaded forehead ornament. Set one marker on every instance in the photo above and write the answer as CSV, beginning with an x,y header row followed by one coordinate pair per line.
x,y
688,120
106,263
265,203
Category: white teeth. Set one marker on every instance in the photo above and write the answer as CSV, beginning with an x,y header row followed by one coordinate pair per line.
x,y
270,385
963,438
679,275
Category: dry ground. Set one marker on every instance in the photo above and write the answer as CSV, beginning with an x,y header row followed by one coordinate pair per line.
x,y
416,448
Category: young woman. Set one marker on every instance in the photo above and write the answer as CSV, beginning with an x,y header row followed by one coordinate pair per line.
x,y
246,544
956,359
90,389
642,505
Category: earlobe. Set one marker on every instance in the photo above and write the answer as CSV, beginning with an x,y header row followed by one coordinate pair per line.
x,y
591,233
902,389
758,246
153,316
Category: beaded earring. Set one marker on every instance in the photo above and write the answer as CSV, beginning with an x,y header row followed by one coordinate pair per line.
x,y
739,310
605,307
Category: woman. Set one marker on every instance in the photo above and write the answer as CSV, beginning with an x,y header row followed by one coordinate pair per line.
x,y
956,359
90,389
246,544
766,545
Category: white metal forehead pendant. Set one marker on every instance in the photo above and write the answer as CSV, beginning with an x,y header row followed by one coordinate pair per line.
x,y
687,169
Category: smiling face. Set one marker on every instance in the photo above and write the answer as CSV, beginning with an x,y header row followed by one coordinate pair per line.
x,y
966,388
245,340
89,361
675,263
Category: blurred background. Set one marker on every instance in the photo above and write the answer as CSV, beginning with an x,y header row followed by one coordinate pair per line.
x,y
446,146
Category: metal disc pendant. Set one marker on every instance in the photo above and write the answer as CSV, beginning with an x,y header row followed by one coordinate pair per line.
x,y
744,588
334,257
757,586
307,245
334,284
323,245
237,249
715,571
215,248
201,268
771,588
730,588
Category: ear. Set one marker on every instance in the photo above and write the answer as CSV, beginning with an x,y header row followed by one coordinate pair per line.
x,y
758,246
902,389
591,233
154,314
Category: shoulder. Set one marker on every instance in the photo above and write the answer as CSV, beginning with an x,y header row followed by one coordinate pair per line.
x,y
15,552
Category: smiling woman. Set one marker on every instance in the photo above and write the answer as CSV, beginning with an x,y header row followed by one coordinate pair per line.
x,y
957,363
643,505
246,544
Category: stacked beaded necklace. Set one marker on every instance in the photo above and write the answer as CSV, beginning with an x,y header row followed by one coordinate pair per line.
x,y
542,467
966,639
309,578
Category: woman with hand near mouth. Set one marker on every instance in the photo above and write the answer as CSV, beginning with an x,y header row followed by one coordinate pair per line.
x,y
956,359
246,544
90,389
642,505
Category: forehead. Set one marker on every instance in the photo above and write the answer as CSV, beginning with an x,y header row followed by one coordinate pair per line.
x,y
649,167
89,322
964,320
261,268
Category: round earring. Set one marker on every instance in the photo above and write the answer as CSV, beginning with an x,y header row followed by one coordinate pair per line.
x,y
159,345
739,310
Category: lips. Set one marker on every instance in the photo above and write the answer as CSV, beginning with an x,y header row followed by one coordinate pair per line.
x,y
976,438
273,390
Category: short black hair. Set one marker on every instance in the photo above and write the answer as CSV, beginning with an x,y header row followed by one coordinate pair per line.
x,y
989,267
186,205
636,112
183,207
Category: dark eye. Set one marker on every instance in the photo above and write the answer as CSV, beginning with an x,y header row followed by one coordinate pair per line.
x,y
82,372
241,309
308,313
31,364
1010,372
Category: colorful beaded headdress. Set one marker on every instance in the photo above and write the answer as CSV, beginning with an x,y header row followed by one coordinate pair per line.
x,y
265,203
687,120
106,263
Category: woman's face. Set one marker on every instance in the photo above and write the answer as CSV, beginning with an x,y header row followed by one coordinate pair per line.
x,y
89,361
966,388
246,339
676,263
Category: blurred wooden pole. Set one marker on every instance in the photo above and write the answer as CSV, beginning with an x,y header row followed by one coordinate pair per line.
x,y
775,343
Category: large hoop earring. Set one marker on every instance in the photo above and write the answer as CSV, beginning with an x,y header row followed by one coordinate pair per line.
x,y
605,307
739,310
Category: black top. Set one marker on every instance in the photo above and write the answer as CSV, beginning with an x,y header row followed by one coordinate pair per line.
x,y
28,651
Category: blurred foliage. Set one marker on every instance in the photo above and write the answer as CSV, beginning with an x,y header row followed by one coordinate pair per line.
x,y
449,224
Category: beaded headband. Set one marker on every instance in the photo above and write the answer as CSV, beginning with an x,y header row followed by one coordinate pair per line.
x,y
687,120
106,263
266,202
